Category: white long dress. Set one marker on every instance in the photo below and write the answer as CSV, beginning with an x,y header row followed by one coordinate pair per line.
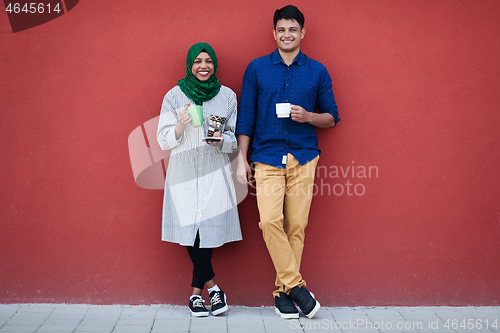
x,y
199,191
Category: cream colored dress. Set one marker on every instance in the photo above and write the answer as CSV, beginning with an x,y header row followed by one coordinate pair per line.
x,y
199,191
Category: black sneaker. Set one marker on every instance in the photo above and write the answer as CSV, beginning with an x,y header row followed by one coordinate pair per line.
x,y
305,300
218,301
197,308
284,307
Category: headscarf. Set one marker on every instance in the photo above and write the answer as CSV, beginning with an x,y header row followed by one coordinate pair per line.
x,y
199,91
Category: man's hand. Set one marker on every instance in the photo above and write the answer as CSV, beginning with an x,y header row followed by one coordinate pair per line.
x,y
243,171
299,114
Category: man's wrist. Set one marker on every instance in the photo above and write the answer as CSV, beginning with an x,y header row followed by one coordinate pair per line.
x,y
311,117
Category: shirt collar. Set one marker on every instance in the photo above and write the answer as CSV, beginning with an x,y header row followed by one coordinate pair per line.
x,y
299,59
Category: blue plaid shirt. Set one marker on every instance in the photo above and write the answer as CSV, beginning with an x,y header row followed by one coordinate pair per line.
x,y
267,81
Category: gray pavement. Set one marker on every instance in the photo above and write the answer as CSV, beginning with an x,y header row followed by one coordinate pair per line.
x,y
66,318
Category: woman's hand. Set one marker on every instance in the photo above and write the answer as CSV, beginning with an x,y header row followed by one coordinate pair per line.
x,y
184,120
216,143
183,117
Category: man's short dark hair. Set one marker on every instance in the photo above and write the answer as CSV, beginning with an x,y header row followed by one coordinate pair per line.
x,y
289,13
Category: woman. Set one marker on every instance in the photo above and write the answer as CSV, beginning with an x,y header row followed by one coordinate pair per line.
x,y
199,205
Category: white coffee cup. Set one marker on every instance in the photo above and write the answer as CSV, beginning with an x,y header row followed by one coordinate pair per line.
x,y
283,110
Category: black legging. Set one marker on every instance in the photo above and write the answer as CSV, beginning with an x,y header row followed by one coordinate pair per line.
x,y
202,264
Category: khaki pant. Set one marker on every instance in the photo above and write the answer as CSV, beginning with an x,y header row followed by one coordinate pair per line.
x,y
284,198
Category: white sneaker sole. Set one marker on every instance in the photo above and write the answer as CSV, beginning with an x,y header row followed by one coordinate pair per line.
x,y
286,315
221,310
313,312
199,314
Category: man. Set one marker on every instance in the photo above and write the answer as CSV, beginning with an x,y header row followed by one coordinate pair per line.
x,y
284,150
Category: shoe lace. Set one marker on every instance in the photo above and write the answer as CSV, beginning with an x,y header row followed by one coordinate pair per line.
x,y
215,299
198,303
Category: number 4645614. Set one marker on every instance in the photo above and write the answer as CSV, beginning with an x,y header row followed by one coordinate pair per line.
x,y
471,324
33,8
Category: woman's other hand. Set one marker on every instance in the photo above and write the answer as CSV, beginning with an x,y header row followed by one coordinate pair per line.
x,y
217,143
184,120
183,117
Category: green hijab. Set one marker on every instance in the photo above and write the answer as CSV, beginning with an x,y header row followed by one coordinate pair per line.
x,y
199,91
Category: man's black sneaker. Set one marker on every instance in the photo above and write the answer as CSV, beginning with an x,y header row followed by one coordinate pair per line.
x,y
305,300
218,301
284,307
197,308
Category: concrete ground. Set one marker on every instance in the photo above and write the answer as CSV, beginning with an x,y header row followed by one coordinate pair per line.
x,y
65,318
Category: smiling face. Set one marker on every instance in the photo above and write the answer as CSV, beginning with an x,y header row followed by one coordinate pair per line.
x,y
288,35
203,67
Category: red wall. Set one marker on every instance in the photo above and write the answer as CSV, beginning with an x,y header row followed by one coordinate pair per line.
x,y
417,87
